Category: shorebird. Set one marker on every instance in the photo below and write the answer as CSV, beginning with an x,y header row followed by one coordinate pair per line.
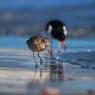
x,y
58,31
37,44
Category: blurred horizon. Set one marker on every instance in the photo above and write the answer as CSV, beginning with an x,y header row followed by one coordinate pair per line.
x,y
16,4
27,17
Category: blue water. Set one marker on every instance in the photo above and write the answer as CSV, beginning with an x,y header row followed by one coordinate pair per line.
x,y
85,44
79,51
13,42
15,4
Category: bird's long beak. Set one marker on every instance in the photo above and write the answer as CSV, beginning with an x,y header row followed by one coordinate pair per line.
x,y
64,45
50,52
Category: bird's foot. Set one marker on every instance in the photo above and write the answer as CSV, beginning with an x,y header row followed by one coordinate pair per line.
x,y
36,66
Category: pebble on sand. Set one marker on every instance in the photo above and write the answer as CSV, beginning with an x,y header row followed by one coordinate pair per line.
x,y
51,91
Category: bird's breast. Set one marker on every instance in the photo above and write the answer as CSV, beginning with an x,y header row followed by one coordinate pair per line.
x,y
58,35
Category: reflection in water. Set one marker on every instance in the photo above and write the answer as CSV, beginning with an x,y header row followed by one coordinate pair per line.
x,y
39,76
42,77
56,72
34,75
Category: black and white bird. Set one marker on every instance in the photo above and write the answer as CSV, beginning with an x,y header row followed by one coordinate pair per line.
x,y
57,30
37,44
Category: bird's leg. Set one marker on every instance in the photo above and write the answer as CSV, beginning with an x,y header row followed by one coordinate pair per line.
x,y
59,45
51,42
50,52
35,60
59,48
50,48
65,47
41,62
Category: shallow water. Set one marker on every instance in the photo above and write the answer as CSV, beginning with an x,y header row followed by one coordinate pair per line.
x,y
73,44
79,52
18,72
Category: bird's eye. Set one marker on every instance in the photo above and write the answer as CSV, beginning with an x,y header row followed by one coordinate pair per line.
x,y
43,40
46,43
65,30
49,28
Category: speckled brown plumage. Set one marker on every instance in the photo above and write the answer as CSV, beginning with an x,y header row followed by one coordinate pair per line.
x,y
37,44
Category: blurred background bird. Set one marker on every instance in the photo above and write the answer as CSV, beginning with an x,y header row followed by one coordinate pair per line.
x,y
37,44
57,30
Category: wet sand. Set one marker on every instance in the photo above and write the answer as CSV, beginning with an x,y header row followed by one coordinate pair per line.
x,y
18,75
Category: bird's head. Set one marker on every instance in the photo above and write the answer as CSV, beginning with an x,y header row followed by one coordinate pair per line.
x,y
45,42
58,30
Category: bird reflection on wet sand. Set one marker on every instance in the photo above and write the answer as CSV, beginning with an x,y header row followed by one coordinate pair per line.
x,y
56,72
43,77
52,72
